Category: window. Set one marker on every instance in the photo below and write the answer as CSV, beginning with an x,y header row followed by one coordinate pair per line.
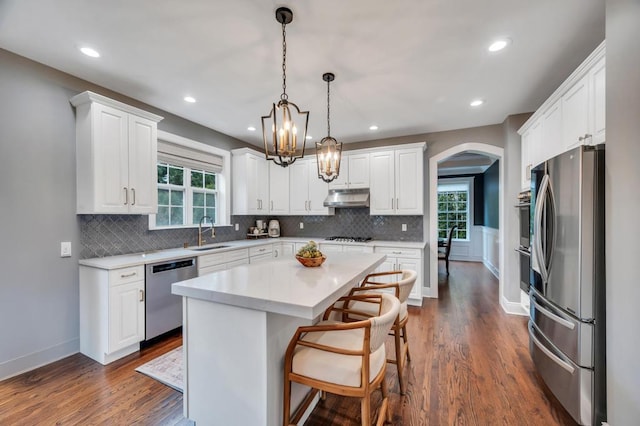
x,y
185,196
453,209
192,181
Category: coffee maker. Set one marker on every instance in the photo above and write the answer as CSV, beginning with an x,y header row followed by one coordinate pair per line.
x,y
274,228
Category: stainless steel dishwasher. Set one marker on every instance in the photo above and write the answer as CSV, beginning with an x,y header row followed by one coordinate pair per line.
x,y
163,310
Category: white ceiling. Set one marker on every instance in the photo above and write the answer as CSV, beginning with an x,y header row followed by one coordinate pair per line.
x,y
408,66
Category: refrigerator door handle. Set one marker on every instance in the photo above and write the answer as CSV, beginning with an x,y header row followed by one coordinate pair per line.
x,y
565,365
553,316
550,206
537,229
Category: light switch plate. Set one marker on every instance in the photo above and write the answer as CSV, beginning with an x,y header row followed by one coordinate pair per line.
x,y
404,227
301,225
65,249
237,227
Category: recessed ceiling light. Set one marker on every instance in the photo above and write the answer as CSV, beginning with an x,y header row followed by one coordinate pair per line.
x,y
498,45
476,102
251,129
90,52
374,127
189,99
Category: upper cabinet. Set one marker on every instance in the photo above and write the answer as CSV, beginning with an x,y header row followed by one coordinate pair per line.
x,y
573,115
307,192
278,189
250,182
396,180
354,171
116,156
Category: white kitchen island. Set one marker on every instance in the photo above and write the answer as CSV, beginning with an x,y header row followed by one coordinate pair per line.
x,y
237,325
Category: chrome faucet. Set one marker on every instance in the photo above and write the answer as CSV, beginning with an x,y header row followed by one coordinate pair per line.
x,y
213,231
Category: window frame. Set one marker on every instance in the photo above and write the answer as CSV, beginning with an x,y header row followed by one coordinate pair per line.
x,y
223,184
468,181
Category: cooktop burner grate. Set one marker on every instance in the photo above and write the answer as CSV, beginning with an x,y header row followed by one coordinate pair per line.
x,y
342,239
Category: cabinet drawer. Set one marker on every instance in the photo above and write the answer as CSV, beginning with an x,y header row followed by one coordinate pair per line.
x,y
260,250
397,251
330,248
211,259
126,275
261,258
209,269
232,256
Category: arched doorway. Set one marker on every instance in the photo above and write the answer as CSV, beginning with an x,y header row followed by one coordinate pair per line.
x,y
489,150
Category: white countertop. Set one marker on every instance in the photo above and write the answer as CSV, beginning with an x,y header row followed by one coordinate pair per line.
x,y
136,259
283,286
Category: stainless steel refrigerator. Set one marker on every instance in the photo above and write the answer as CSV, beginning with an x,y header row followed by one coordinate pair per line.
x,y
567,291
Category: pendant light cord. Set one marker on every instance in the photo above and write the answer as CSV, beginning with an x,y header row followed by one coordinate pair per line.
x,y
284,95
328,109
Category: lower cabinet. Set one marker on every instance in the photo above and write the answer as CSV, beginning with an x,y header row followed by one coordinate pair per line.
x,y
109,331
399,258
261,253
213,262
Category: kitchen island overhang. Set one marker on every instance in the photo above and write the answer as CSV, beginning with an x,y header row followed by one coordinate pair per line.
x,y
237,324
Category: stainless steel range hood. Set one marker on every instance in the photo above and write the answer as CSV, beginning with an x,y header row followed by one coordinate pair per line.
x,y
347,198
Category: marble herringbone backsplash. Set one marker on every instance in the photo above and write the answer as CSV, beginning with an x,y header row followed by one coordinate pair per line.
x,y
111,235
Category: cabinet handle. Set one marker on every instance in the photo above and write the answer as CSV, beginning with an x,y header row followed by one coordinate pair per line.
x,y
392,204
309,205
397,203
396,252
126,196
275,253
133,274
133,194
585,137
142,295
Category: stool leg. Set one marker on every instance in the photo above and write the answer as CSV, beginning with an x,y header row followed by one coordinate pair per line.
x,y
406,341
365,410
286,411
399,357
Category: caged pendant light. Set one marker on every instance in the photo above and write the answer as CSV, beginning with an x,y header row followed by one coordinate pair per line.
x,y
328,150
284,130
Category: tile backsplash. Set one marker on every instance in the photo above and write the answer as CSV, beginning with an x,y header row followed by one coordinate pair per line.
x,y
111,235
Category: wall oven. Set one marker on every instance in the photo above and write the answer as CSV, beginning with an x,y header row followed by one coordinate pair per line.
x,y
523,206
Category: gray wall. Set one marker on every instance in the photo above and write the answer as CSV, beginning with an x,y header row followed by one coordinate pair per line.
x,y
38,289
491,194
622,205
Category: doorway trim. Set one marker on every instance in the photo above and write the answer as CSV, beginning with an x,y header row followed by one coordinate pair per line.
x,y
480,148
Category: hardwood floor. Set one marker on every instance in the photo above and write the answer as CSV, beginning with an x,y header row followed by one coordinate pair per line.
x,y
470,366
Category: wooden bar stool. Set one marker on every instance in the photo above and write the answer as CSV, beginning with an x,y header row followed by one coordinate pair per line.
x,y
401,284
344,358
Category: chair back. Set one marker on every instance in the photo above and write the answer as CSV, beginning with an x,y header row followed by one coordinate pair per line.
x,y
406,283
448,248
381,324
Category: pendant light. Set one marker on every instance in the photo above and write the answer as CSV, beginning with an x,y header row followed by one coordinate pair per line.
x,y
328,150
284,130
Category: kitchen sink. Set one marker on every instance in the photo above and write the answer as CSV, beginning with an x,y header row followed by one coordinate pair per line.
x,y
207,248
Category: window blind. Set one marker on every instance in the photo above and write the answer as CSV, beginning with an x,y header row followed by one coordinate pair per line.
x,y
184,156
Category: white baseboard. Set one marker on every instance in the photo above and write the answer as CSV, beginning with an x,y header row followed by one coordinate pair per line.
x,y
428,292
491,268
34,360
513,308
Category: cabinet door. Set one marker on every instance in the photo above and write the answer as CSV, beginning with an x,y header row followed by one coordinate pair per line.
x,y
551,143
575,115
126,315
111,159
413,264
358,170
342,181
597,103
318,190
286,249
143,156
408,181
381,178
330,248
298,188
525,161
278,189
252,176
262,184
535,147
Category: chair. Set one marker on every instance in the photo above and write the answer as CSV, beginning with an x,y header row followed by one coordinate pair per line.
x,y
345,358
444,254
402,284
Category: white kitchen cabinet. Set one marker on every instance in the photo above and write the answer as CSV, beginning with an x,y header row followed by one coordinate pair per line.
x,y
396,181
573,115
307,192
354,171
250,182
283,249
116,157
219,261
330,248
278,189
112,316
531,141
399,258
261,253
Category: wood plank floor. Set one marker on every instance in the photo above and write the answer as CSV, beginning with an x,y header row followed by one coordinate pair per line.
x,y
470,366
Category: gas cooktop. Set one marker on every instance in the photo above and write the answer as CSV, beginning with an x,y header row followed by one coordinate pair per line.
x,y
349,239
